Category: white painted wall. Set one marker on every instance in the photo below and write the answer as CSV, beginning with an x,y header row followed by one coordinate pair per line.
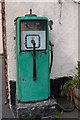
x,y
79,32
1,47
64,36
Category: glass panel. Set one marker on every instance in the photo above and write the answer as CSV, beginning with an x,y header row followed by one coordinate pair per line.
x,y
33,25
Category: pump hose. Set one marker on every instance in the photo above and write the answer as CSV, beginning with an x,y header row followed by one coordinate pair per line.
x,y
61,107
51,45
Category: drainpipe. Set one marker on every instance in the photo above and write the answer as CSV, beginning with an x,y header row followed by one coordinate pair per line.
x,y
4,50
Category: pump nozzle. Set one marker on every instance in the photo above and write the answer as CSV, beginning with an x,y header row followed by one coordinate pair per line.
x,y
50,24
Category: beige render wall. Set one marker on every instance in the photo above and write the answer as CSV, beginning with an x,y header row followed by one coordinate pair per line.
x,y
64,36
1,47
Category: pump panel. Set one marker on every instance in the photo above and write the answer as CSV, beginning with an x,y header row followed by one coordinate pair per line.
x,y
38,36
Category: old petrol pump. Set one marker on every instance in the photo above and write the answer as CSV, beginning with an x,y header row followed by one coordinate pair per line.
x,y
32,58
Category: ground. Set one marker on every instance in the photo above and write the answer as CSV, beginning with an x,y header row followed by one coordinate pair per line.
x,y
6,113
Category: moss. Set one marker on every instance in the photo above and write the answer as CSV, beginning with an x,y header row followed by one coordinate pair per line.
x,y
58,113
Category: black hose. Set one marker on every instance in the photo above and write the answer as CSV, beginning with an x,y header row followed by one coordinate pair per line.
x,y
51,59
51,45
65,109
61,107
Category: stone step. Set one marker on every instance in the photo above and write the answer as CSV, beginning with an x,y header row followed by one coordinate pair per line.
x,y
42,109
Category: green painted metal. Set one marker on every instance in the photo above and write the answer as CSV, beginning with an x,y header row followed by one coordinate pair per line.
x,y
28,89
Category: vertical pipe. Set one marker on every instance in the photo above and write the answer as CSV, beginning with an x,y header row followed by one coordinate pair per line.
x,y
34,63
3,37
34,60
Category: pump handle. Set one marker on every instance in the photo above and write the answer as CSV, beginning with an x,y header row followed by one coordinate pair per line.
x,y
34,60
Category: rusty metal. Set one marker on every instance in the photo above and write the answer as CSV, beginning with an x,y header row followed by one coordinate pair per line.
x,y
23,79
4,47
45,52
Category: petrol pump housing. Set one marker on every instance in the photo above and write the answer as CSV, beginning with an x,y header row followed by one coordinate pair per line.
x,y
32,58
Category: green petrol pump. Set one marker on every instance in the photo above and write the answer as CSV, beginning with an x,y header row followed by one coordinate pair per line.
x,y
32,58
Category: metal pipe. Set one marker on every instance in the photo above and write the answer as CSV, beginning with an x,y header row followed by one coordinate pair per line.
x,y
3,37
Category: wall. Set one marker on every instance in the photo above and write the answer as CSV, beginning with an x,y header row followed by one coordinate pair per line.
x,y
64,35
1,47
79,32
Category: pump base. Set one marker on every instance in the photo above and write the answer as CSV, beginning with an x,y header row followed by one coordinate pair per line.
x,y
37,110
40,109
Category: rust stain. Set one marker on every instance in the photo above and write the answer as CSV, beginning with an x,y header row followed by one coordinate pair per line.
x,y
40,56
41,52
23,79
45,52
